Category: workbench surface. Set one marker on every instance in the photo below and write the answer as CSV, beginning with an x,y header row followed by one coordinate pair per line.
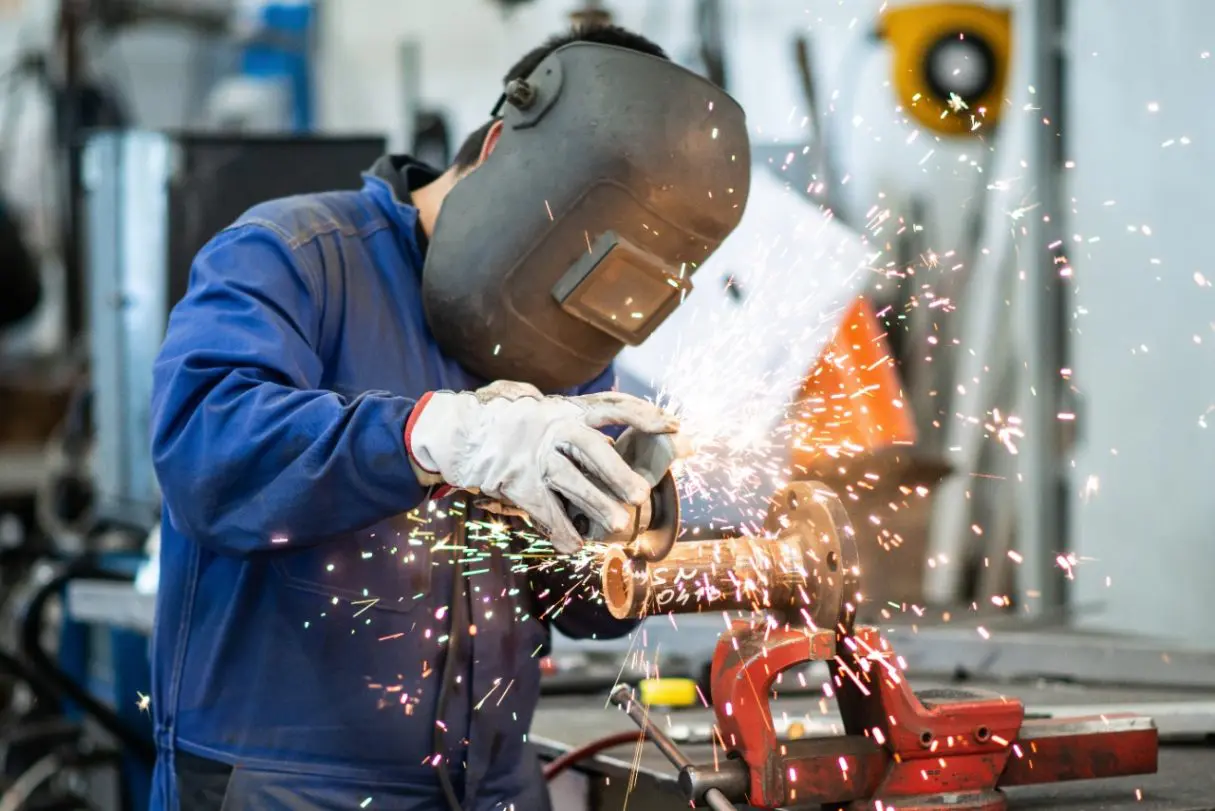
x,y
1184,782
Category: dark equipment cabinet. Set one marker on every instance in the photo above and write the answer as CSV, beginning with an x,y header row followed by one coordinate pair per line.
x,y
151,201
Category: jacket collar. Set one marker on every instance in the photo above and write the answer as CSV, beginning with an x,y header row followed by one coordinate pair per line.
x,y
390,183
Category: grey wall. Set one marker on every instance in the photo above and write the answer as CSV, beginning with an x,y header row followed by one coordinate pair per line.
x,y
1144,330
464,47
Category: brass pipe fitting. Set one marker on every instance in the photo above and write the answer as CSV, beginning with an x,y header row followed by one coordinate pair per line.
x,y
805,567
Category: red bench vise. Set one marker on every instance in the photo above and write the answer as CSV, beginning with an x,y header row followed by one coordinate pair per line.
x,y
899,751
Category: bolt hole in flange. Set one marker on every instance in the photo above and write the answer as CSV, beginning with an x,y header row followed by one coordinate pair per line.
x,y
926,739
982,734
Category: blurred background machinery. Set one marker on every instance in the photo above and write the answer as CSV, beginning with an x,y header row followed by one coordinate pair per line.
x,y
973,261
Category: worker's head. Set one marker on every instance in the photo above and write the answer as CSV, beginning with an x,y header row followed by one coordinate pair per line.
x,y
569,224
478,145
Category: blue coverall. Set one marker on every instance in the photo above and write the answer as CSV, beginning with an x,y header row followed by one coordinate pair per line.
x,y
303,613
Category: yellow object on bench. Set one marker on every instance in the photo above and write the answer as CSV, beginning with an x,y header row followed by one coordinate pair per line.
x,y
668,692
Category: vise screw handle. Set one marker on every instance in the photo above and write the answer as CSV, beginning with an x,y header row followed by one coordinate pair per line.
x,y
622,697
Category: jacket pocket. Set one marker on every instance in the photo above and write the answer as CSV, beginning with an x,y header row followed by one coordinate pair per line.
x,y
387,567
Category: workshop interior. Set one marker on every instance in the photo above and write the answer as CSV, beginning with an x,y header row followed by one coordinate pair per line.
x,y
943,540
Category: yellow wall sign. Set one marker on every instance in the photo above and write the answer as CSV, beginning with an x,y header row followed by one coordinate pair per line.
x,y
950,63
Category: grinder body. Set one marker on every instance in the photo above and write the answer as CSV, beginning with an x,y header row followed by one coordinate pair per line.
x,y
655,524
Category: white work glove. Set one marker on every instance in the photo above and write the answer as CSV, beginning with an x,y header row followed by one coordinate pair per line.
x,y
510,443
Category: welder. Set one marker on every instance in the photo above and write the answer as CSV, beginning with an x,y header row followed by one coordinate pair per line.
x,y
353,376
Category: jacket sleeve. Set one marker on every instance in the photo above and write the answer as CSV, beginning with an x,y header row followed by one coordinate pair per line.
x,y
570,600
247,448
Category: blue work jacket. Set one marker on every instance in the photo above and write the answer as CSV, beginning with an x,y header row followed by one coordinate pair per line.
x,y
304,610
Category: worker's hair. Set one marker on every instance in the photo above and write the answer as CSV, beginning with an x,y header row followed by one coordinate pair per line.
x,y
470,150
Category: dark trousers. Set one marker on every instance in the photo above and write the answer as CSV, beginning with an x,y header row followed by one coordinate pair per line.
x,y
201,783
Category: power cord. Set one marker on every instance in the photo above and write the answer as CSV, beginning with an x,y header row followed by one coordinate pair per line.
x,y
590,750
459,621
48,674
33,778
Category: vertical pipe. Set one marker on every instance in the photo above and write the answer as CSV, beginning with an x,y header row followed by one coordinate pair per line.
x,y
1040,308
70,14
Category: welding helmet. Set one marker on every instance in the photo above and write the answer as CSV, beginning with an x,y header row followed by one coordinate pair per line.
x,y
615,176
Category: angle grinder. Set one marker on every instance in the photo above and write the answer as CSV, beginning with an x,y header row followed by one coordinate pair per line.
x,y
655,524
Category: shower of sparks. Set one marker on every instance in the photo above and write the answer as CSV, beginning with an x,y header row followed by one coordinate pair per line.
x,y
754,421
741,451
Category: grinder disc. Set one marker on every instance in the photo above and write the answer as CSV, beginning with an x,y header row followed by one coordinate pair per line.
x,y
655,523
652,539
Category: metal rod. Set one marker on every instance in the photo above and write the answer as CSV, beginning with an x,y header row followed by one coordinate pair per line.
x,y
71,13
622,697
1042,534
718,802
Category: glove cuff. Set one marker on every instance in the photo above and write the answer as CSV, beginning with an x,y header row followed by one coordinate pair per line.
x,y
435,435
422,469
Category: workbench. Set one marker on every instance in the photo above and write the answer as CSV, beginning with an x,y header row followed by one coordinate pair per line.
x,y
1043,667
1185,781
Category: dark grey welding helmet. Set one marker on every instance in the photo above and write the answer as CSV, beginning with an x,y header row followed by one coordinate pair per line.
x,y
617,174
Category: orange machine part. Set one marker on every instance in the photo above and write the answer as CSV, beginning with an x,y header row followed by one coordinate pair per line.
x,y
852,402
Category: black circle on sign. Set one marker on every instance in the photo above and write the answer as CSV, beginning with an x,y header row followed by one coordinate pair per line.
x,y
937,85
